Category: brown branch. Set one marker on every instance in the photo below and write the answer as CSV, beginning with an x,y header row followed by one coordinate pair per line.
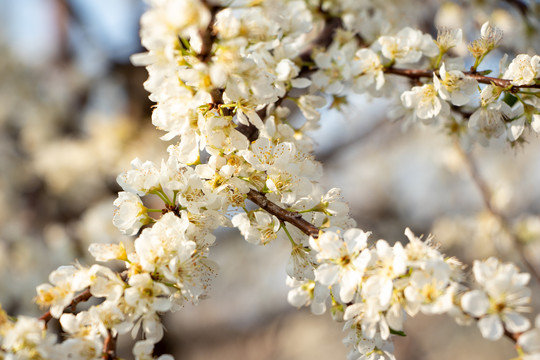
x,y
521,6
421,73
324,38
501,218
293,218
82,297
109,347
208,36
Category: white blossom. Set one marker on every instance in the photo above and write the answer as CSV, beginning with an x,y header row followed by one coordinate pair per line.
x,y
454,86
523,70
342,259
407,46
503,295
489,121
130,213
425,102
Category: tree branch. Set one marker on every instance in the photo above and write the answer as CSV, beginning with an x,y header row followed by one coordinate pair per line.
x,y
208,37
421,73
293,218
109,347
501,218
82,297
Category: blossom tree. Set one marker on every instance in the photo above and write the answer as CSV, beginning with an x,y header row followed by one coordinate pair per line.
x,y
228,78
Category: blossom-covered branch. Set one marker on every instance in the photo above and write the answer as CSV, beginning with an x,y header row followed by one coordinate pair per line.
x,y
483,79
226,79
293,218
82,297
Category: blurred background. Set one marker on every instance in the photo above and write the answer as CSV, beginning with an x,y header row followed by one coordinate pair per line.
x,y
73,114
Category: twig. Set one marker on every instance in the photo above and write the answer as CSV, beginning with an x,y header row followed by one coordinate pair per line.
x,y
421,73
324,38
501,218
82,297
109,347
291,217
521,6
208,36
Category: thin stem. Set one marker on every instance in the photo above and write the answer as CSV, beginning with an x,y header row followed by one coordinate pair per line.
x,y
439,58
487,195
284,227
162,196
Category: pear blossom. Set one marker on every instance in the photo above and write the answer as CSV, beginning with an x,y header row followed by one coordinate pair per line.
x,y
515,128
489,120
529,341
106,252
490,37
309,104
454,86
158,245
130,213
534,103
367,70
390,263
143,178
430,290
407,46
106,283
375,348
425,102
308,293
342,258
334,67
448,38
142,350
146,295
523,70
26,339
499,301
66,281
106,317
490,94
301,263
258,228
264,155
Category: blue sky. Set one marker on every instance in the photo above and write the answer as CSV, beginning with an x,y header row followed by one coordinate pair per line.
x,y
109,29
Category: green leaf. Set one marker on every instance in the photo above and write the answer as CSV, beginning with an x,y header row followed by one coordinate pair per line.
x,y
397,332
510,99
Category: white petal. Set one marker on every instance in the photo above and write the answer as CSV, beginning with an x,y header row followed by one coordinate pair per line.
x,y
475,302
535,123
530,341
352,311
516,129
300,83
318,308
491,327
327,274
516,323
297,297
162,304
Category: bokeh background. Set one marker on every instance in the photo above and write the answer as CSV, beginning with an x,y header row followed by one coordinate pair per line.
x,y
73,114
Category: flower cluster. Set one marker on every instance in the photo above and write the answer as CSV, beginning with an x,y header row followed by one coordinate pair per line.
x,y
226,81
373,287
